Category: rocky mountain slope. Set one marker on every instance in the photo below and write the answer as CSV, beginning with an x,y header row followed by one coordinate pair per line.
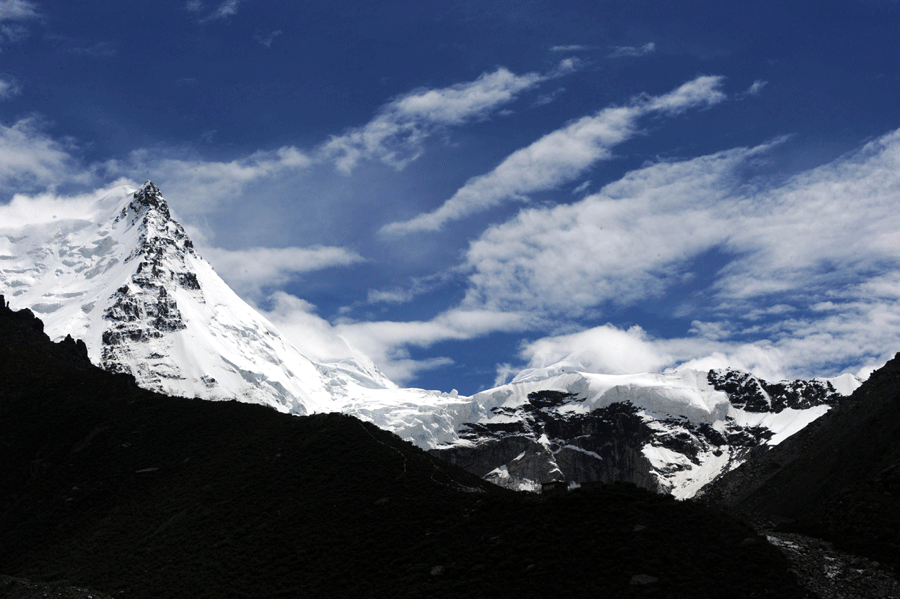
x,y
670,433
125,277
838,478
111,487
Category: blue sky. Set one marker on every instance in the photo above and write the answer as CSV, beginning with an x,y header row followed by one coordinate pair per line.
x,y
468,190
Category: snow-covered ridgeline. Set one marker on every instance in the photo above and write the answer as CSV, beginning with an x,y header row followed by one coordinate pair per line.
x,y
686,427
125,278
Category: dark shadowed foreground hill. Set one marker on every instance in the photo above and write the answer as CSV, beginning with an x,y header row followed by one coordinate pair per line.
x,y
838,478
107,486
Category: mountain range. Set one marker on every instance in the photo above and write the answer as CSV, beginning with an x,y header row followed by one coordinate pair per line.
x,y
126,279
110,490
110,485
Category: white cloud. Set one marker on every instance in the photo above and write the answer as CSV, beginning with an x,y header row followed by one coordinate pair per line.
x,y
417,287
756,87
457,104
204,184
309,333
266,40
387,342
605,349
18,10
505,372
702,91
226,9
561,156
28,156
807,280
396,133
9,87
13,33
620,51
630,241
824,348
391,296
571,48
194,6
821,229
12,14
48,207
581,188
248,271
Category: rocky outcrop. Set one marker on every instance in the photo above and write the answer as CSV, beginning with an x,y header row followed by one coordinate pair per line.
x,y
541,445
837,478
752,394
552,437
22,337
143,309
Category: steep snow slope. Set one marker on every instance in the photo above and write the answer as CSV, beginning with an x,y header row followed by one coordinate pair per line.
x,y
126,280
671,432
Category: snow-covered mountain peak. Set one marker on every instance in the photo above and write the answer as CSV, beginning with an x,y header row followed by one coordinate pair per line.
x,y
148,204
672,432
127,280
121,274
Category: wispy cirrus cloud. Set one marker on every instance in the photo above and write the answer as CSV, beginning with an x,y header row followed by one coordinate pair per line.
x,y
419,286
266,40
95,50
207,183
9,87
805,281
572,48
755,88
621,51
615,246
18,10
224,10
396,134
387,342
561,156
30,157
249,271
13,13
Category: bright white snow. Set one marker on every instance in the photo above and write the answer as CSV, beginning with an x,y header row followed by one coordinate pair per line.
x,y
69,269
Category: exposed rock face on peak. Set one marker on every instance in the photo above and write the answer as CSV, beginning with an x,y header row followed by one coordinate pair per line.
x,y
671,433
142,496
128,280
147,199
838,478
143,309
756,395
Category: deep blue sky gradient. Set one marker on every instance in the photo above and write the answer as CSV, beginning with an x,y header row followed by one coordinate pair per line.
x,y
106,79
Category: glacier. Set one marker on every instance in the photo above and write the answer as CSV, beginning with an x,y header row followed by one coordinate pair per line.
x,y
125,278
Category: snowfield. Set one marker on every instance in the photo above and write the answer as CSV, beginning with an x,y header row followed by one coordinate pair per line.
x,y
125,278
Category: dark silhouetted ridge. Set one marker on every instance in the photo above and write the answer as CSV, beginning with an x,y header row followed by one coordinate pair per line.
x,y
134,494
838,478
